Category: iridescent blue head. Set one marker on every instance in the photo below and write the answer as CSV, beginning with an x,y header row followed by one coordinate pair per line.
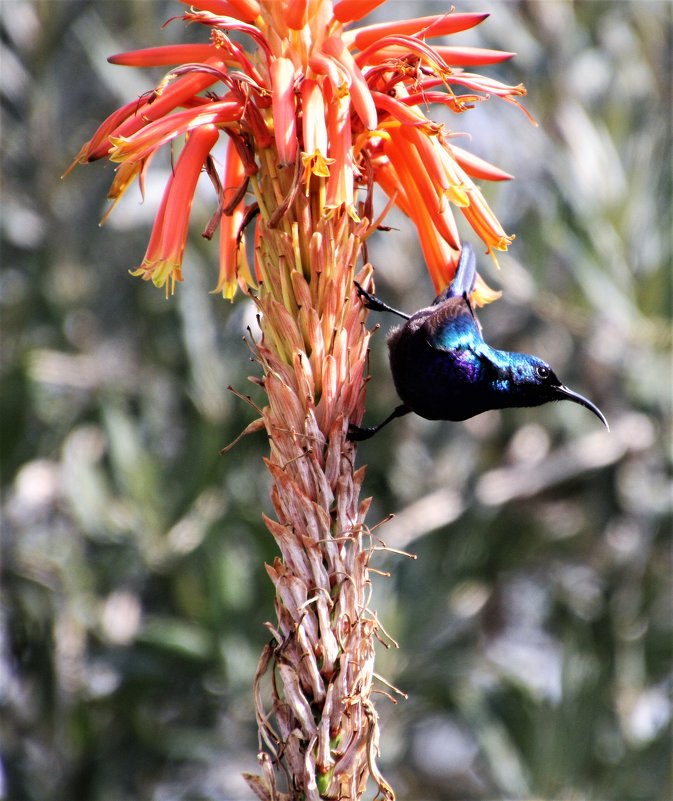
x,y
525,380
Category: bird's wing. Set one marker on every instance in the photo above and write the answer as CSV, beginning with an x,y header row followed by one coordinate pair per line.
x,y
452,325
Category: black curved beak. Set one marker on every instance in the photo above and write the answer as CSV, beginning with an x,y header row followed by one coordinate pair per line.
x,y
568,394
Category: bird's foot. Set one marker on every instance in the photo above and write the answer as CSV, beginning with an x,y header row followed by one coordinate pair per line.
x,y
370,301
358,434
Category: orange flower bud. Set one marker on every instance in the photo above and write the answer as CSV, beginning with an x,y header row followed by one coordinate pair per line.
x,y
163,258
284,112
232,244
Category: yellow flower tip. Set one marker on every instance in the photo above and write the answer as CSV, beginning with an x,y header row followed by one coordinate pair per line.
x,y
502,245
316,164
124,177
504,242
158,272
458,195
160,277
491,253
307,161
352,213
349,208
227,289
116,152
483,294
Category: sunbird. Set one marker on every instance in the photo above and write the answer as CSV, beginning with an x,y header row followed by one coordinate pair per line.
x,y
443,369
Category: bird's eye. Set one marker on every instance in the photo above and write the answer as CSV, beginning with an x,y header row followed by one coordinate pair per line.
x,y
542,371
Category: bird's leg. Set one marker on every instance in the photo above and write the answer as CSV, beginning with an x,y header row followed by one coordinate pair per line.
x,y
372,302
357,434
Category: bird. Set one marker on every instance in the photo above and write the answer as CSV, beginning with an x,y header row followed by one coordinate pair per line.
x,y
444,370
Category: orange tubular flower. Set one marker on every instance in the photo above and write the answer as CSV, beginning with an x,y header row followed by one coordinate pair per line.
x,y
370,77
340,183
233,262
284,112
314,130
163,258
361,97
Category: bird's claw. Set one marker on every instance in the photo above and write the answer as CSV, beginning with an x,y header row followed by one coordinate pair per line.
x,y
358,434
369,301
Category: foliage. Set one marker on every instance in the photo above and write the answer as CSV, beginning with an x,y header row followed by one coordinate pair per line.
x,y
535,623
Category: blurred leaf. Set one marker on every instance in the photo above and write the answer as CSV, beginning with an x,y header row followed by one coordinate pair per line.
x,y
535,624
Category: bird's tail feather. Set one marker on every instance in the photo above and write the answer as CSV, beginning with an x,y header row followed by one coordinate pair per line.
x,y
465,277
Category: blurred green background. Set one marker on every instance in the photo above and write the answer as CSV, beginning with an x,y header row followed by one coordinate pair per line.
x,y
535,624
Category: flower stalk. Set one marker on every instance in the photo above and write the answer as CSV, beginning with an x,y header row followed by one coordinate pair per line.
x,y
313,116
